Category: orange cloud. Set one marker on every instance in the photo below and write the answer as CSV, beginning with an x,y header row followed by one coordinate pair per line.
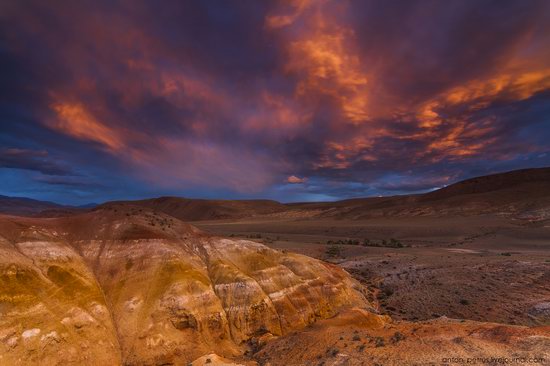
x,y
329,67
75,120
322,54
297,7
459,140
346,97
342,155
296,180
479,93
513,86
276,115
324,59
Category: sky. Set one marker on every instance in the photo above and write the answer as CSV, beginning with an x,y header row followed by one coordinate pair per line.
x,y
295,100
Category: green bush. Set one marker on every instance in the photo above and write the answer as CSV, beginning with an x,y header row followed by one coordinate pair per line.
x,y
333,251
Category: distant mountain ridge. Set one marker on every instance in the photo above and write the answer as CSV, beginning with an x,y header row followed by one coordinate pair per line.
x,y
521,193
22,206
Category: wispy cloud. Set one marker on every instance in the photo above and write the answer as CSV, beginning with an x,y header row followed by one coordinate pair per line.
x,y
34,160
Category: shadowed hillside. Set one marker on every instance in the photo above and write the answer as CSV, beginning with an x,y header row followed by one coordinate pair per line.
x,y
25,206
521,194
198,209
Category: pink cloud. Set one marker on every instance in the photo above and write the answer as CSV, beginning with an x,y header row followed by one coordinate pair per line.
x,y
296,180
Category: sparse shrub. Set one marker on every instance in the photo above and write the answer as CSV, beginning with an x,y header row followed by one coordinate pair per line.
x,y
361,348
506,254
394,243
333,251
379,342
464,302
366,242
386,290
356,338
397,336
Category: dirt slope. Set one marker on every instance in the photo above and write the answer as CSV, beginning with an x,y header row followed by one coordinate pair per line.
x,y
356,338
520,194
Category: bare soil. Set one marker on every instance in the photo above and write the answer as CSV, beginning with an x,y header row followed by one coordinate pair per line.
x,y
484,268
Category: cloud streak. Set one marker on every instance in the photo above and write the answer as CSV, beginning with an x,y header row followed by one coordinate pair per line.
x,y
32,160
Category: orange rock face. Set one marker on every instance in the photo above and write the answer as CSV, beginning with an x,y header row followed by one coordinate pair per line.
x,y
138,287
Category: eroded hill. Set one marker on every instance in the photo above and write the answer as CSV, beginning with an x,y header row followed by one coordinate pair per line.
x,y
138,287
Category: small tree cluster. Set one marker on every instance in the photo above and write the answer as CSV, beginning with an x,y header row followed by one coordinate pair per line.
x,y
333,251
392,243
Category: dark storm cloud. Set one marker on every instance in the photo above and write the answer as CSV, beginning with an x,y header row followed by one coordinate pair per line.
x,y
32,160
349,97
74,182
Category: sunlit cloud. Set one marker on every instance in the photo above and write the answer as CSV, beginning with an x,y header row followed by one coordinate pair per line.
x,y
75,120
296,180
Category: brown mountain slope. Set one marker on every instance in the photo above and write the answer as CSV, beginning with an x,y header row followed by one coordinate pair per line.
x,y
139,287
520,194
539,177
200,209
27,207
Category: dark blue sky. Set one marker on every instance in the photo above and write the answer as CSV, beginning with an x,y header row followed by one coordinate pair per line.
x,y
290,100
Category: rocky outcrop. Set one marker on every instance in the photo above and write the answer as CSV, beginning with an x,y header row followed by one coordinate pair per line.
x,y
137,287
52,308
356,337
